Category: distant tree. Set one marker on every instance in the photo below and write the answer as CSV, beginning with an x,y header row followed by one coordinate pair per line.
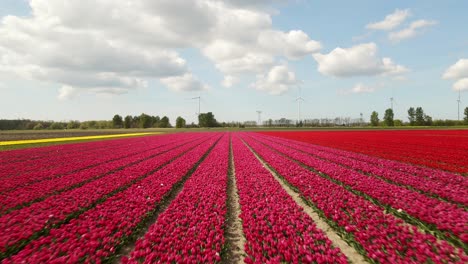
x,y
270,122
398,122
388,117
207,120
466,116
135,122
73,124
56,125
117,121
39,126
374,118
427,120
127,122
145,121
412,116
180,122
165,122
419,116
155,120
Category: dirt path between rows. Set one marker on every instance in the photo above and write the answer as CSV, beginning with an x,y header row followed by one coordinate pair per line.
x,y
346,249
234,234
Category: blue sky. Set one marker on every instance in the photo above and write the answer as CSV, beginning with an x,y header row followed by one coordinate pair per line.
x,y
49,69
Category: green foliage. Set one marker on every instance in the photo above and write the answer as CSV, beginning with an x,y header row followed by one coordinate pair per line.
x,y
398,122
374,118
57,125
39,126
180,122
164,123
145,121
207,120
73,125
419,116
466,115
388,117
127,122
117,121
412,116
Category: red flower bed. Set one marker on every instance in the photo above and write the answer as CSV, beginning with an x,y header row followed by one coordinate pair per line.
x,y
95,234
21,224
383,237
52,185
191,229
442,149
276,228
444,216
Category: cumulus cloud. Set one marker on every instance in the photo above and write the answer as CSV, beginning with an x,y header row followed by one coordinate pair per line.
x,y
461,84
458,70
412,30
391,21
66,93
359,60
229,81
277,81
185,83
102,45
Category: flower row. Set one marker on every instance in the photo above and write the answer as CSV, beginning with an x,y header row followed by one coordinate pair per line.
x,y
21,224
455,192
45,188
275,227
440,216
380,236
98,232
191,228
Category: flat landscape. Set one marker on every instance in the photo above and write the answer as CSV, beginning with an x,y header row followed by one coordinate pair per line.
x,y
239,197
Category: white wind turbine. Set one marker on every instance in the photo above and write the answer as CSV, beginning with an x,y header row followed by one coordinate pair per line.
x,y
259,113
299,99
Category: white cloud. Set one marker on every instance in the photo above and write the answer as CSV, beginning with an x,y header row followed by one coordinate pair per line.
x,y
359,60
361,88
278,80
461,85
66,93
458,70
391,21
229,81
81,43
186,82
294,44
411,31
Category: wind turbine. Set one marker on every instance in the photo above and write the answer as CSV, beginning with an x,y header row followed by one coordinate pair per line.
x,y
259,117
391,102
459,101
298,100
199,98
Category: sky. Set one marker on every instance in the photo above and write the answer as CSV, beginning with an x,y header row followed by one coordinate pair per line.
x,y
92,59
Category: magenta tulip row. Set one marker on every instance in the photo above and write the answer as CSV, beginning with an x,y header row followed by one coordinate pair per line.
x,y
44,188
391,165
21,224
97,233
444,216
276,228
191,228
450,191
29,159
381,236
75,163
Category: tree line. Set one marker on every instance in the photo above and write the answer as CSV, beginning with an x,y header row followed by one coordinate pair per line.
x,y
416,117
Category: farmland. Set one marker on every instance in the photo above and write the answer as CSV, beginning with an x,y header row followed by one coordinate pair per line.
x,y
233,197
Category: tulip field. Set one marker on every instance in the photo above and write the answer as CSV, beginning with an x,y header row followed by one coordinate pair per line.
x,y
239,197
